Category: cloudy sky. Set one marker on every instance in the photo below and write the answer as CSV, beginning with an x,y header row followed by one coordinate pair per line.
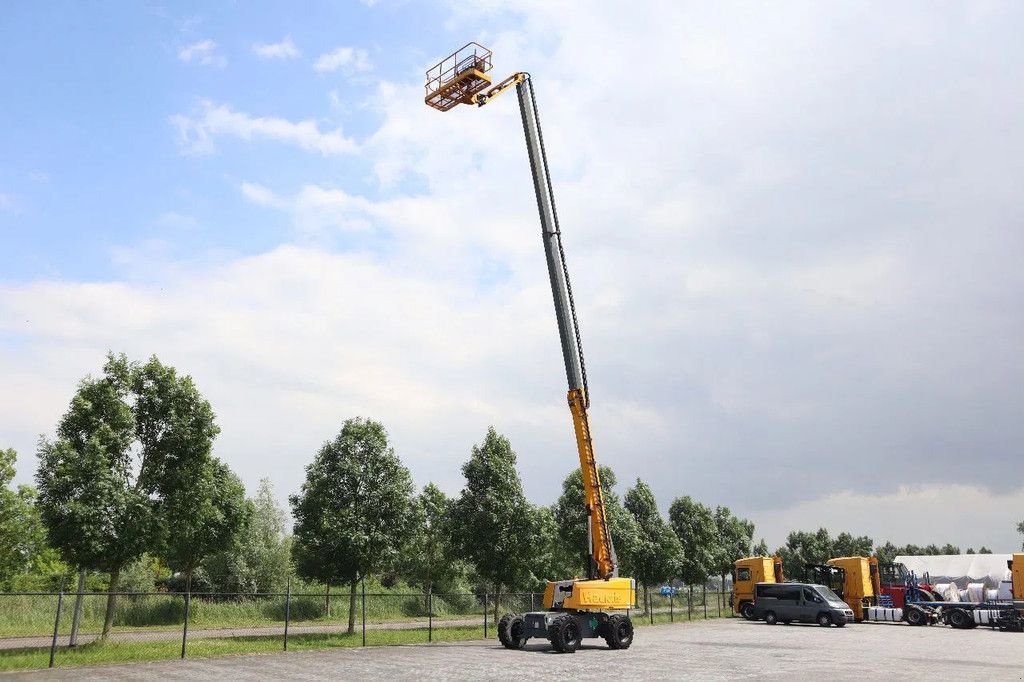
x,y
795,234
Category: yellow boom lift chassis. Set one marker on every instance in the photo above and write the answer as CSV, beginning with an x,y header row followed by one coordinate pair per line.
x,y
576,608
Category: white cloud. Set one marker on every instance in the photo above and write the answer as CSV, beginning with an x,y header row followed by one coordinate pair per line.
x,y
348,58
6,201
260,195
285,49
203,52
176,220
964,515
196,133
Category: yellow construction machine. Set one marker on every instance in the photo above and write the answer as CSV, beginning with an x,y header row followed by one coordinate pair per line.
x,y
747,573
577,608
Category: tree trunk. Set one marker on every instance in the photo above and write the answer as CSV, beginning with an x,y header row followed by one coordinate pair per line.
x,y
497,603
108,621
352,607
327,601
76,620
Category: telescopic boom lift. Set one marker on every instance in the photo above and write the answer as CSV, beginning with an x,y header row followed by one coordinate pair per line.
x,y
576,608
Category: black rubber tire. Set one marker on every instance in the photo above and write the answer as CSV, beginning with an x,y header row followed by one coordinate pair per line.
x,y
565,635
824,620
915,617
771,618
511,631
747,610
786,622
960,619
841,624
618,632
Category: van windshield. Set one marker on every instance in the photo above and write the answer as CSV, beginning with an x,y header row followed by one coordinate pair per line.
x,y
829,595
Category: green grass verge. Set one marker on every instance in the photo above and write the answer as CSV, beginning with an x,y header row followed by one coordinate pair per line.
x,y
104,653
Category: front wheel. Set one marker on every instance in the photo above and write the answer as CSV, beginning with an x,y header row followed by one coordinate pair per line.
x,y
824,620
771,618
565,635
619,632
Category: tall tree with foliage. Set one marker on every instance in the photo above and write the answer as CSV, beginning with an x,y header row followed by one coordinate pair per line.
x,y
429,559
129,439
492,518
805,547
202,516
734,538
658,552
22,535
1020,529
694,525
570,513
760,549
259,558
352,514
846,544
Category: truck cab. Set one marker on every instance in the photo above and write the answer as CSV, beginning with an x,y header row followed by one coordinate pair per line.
x,y
747,573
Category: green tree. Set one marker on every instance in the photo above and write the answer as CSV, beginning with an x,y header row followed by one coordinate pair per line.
x,y
493,529
804,548
694,525
352,514
429,559
1020,529
760,549
658,553
887,553
735,536
128,440
984,550
551,560
202,516
22,535
846,544
570,512
259,558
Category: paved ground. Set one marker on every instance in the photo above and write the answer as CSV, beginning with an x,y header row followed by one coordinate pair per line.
x,y
712,650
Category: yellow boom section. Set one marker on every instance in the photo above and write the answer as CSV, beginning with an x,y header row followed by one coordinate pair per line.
x,y
602,550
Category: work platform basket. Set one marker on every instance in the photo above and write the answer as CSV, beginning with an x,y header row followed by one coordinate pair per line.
x,y
458,77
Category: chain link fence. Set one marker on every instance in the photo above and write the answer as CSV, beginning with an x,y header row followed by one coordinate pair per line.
x,y
48,629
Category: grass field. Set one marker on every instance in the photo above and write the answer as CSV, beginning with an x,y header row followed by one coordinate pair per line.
x,y
33,615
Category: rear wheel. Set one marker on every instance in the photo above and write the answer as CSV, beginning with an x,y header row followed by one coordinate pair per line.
x,y
824,620
512,631
747,610
960,619
619,632
771,618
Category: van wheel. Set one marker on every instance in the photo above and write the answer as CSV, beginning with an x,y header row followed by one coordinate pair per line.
x,y
841,624
824,620
786,622
747,610
771,618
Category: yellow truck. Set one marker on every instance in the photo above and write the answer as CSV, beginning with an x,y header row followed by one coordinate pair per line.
x,y
747,573
861,583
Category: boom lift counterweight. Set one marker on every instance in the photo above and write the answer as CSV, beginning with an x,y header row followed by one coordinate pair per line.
x,y
576,608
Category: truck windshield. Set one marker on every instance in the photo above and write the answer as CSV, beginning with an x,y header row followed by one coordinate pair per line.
x,y
829,595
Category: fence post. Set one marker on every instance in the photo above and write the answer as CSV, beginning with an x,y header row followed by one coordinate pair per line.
x,y
650,605
56,622
532,607
76,619
671,603
485,614
184,631
705,599
689,603
287,611
364,610
430,613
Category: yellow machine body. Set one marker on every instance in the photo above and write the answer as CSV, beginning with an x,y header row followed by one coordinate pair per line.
x,y
1017,576
748,572
614,594
861,585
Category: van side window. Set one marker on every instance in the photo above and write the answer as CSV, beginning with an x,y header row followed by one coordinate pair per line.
x,y
742,574
809,595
